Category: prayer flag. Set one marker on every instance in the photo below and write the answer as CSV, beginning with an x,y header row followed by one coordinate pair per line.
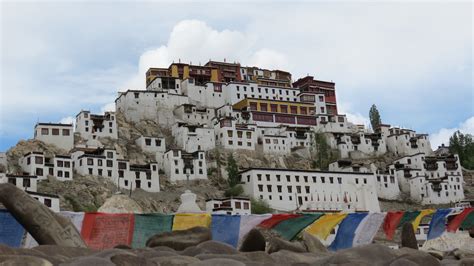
x,y
225,228
323,226
438,223
148,225
392,219
183,221
346,231
288,229
103,231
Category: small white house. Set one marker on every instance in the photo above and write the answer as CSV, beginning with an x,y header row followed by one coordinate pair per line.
x,y
61,135
144,177
230,206
230,135
91,126
51,201
151,144
193,115
193,138
36,163
179,165
23,182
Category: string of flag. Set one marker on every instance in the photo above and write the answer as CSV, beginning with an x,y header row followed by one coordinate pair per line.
x,y
104,230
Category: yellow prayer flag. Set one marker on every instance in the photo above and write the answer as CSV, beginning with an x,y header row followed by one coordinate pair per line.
x,y
323,226
183,221
420,216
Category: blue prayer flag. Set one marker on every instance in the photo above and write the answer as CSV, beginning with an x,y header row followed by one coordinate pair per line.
x,y
11,232
225,228
346,231
438,223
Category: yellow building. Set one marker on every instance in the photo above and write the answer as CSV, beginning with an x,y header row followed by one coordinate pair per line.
x,y
275,106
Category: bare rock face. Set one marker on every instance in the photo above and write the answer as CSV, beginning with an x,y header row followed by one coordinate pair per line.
x,y
120,204
179,240
253,241
408,236
45,226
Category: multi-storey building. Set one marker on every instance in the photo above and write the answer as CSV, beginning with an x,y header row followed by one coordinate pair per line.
x,y
60,135
191,114
210,94
179,165
237,91
193,138
36,163
430,179
289,190
91,126
405,141
230,206
234,136
51,201
365,143
271,113
287,140
310,85
265,77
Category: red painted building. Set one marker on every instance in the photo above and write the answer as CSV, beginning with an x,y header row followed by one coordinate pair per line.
x,y
310,85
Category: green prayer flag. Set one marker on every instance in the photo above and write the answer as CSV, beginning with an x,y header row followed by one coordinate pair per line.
x,y
147,225
468,223
288,229
408,217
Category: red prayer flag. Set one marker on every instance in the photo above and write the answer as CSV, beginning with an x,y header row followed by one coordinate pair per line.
x,y
392,219
103,231
276,219
458,219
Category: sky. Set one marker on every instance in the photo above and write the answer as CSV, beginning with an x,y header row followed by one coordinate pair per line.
x,y
413,60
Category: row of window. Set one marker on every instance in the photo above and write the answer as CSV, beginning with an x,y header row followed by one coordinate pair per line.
x,y
323,179
55,131
259,90
230,134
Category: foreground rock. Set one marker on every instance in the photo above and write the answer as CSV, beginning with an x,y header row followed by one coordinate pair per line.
x,y
179,240
46,227
408,236
276,244
313,244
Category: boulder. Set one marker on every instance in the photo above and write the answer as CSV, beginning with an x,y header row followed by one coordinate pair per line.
x,y
179,240
259,256
402,262
463,253
436,253
153,253
209,247
236,257
68,252
163,248
129,260
46,227
177,260
286,257
408,236
420,258
12,260
253,241
218,262
120,204
109,253
88,261
313,244
368,254
276,244
466,262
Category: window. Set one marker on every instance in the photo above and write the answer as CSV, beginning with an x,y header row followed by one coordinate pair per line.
x,y
306,189
322,179
357,180
136,95
339,180
90,161
148,175
99,162
67,164
47,202
38,160
246,206
100,172
249,135
239,134
321,98
110,163
148,142
44,131
60,173
137,175
365,180
298,189
279,189
259,177
157,142
392,179
305,179
290,189
331,180
66,174
278,178
26,182
288,178
238,205
90,171
269,188
260,188
297,178
268,177
28,160
65,132
39,171
122,165
229,133
55,131
314,179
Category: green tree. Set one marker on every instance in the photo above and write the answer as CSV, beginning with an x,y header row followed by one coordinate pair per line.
x,y
374,116
463,145
322,153
260,206
232,171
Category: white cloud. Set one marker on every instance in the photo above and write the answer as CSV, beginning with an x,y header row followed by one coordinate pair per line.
x,y
442,136
353,117
193,41
110,107
68,120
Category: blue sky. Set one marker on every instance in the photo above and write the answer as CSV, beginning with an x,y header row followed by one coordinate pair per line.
x,y
414,60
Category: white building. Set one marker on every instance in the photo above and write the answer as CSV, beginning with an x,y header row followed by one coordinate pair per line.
x,y
60,135
36,163
430,179
288,190
286,141
151,144
191,114
168,84
405,141
193,138
363,143
179,165
208,95
23,182
29,185
105,163
157,106
233,136
50,200
91,126
230,206
237,91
